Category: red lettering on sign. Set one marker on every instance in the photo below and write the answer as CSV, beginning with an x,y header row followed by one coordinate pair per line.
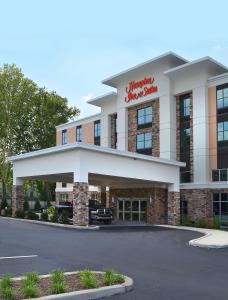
x,y
139,89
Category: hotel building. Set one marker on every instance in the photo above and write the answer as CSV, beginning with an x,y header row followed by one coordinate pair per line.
x,y
158,150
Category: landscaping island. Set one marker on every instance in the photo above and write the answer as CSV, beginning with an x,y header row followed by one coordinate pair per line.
x,y
71,284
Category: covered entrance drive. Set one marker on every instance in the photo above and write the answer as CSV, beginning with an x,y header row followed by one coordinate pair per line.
x,y
132,209
122,172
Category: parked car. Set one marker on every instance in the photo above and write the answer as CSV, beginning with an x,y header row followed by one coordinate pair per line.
x,y
97,212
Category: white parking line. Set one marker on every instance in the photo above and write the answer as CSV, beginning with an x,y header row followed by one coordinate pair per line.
x,y
22,256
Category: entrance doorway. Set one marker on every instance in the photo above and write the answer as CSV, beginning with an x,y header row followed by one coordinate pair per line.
x,y
132,209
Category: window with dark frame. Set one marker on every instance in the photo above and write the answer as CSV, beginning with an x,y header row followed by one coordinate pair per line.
x,y
144,117
64,184
222,129
220,207
185,136
64,137
185,106
144,143
97,132
115,129
222,96
78,133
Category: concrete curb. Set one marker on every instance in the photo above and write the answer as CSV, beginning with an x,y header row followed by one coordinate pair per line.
x,y
90,227
212,238
90,294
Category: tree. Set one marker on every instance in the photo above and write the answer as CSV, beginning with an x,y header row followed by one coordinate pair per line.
x,y
26,205
37,206
28,117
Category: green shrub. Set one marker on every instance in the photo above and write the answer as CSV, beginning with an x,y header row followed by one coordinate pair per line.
x,y
50,210
8,293
8,212
29,285
32,215
111,278
44,216
55,217
20,214
88,279
6,290
58,284
5,281
4,204
57,276
58,288
29,290
32,277
215,224
37,206
187,221
64,217
201,223
26,205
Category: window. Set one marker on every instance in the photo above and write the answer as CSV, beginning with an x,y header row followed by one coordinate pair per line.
x,y
185,106
220,175
222,131
144,143
78,133
220,207
185,137
97,132
64,137
97,128
63,198
144,117
222,96
64,185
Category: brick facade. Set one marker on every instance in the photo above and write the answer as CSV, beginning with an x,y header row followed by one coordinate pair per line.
x,y
17,198
178,133
200,202
113,130
173,208
81,203
156,202
133,131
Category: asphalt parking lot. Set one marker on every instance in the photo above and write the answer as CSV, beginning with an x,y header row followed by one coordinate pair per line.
x,y
160,261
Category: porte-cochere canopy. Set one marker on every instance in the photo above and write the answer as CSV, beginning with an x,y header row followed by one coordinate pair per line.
x,y
85,165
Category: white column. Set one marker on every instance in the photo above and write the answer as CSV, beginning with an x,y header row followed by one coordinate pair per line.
x,y
122,132
105,130
200,134
167,110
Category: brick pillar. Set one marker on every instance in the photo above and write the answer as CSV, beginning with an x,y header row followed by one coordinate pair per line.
x,y
173,208
81,203
17,198
103,195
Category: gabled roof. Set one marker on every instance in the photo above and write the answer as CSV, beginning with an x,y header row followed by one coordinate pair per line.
x,y
171,57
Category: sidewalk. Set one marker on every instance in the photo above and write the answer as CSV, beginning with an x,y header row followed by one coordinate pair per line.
x,y
212,238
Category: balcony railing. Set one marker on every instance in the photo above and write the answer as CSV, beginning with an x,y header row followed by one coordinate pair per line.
x,y
220,175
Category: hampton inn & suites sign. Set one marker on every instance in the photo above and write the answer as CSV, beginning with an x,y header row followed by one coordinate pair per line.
x,y
138,89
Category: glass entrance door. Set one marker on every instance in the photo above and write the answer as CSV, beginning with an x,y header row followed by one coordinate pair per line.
x,y
132,209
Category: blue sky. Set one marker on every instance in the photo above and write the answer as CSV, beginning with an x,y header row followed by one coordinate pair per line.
x,y
69,45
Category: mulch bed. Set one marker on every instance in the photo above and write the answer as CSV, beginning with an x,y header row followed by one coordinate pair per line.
x,y
44,285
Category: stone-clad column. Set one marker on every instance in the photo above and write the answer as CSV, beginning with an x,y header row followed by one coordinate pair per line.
x,y
17,198
103,195
173,208
81,203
